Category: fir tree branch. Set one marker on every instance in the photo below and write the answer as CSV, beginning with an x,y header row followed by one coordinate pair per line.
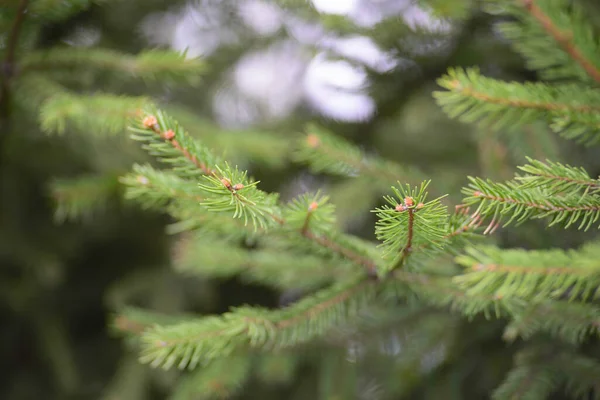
x,y
499,199
564,39
170,137
531,275
411,222
557,177
105,112
83,196
189,343
150,65
324,152
164,129
569,321
348,254
533,376
220,379
271,265
571,110
499,98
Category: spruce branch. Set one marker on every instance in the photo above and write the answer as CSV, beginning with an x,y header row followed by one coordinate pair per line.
x,y
197,255
180,198
82,197
443,292
568,39
407,222
534,376
541,369
557,178
165,139
150,65
189,343
521,203
555,37
106,113
571,110
228,190
571,322
324,152
220,379
310,212
154,189
532,275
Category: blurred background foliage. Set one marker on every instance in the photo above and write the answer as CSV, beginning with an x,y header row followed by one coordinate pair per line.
x,y
363,69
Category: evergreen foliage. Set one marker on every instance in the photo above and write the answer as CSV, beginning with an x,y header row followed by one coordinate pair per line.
x,y
404,298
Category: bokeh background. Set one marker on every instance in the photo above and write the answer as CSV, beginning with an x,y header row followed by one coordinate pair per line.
x,y
365,69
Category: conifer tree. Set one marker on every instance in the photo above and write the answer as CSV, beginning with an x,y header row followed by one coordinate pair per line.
x,y
417,310
431,264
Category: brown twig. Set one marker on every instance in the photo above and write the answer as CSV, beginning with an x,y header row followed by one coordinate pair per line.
x,y
564,39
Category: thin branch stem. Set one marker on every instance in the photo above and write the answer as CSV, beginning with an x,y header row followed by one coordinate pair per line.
x,y
539,206
307,314
564,39
323,241
517,103
409,240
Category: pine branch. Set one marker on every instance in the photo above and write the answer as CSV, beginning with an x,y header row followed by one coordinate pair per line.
x,y
150,65
532,275
190,343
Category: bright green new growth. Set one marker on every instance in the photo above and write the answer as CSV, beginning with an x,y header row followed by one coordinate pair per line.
x,y
426,257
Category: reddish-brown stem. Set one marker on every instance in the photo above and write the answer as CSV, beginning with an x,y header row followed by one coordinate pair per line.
x,y
323,241
304,229
564,39
545,207
282,324
458,86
